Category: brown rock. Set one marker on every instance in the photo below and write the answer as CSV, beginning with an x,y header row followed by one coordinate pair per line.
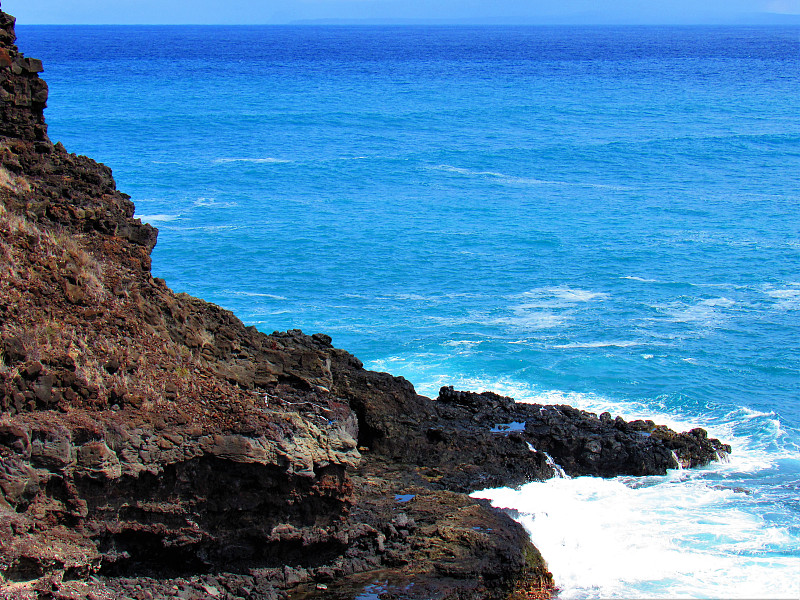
x,y
53,453
33,65
13,350
96,460
32,370
74,293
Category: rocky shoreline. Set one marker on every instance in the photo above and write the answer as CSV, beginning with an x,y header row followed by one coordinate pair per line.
x,y
153,446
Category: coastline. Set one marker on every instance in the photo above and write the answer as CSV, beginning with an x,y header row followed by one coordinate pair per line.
x,y
152,441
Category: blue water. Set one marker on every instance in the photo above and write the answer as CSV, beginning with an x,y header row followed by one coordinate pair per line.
x,y
608,217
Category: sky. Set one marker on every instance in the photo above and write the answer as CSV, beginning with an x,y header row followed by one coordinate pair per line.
x,y
32,12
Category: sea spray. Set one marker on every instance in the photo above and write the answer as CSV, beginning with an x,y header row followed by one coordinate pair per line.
x,y
558,470
653,538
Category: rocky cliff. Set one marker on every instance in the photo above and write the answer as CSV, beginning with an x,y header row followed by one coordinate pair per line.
x,y
153,446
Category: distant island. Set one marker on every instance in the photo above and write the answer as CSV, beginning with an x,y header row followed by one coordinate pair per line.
x,y
581,19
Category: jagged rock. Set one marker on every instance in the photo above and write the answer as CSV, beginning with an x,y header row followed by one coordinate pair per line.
x,y
13,351
97,460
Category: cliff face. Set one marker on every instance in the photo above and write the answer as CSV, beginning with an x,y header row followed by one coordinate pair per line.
x,y
23,94
152,445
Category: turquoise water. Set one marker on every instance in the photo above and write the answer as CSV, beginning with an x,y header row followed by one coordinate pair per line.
x,y
608,217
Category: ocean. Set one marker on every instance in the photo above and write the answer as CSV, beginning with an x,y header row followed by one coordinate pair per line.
x,y
607,217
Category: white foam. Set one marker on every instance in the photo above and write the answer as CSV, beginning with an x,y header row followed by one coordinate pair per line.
x,y
660,537
208,228
515,180
642,279
546,308
726,286
461,343
215,228
724,302
266,160
788,298
213,203
530,320
787,293
597,345
253,294
705,313
414,297
562,292
558,470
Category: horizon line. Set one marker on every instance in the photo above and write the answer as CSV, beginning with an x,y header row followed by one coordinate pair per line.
x,y
794,20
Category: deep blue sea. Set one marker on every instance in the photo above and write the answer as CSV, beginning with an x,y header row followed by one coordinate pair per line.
x,y
605,217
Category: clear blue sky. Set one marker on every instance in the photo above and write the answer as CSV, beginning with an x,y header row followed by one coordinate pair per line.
x,y
489,11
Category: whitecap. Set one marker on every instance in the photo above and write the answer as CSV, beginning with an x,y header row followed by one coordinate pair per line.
x,y
787,293
413,297
564,293
215,228
729,286
724,302
531,320
642,279
596,345
209,228
516,180
457,343
267,160
213,203
253,294
445,321
788,298
705,313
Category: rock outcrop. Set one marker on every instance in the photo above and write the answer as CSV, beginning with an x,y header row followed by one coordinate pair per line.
x,y
151,445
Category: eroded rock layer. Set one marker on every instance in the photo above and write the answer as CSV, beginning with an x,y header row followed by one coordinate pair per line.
x,y
153,446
